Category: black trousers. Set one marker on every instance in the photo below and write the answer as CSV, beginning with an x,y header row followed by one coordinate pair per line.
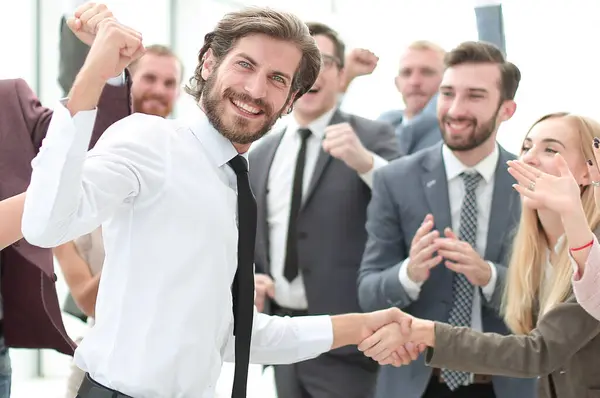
x,y
92,389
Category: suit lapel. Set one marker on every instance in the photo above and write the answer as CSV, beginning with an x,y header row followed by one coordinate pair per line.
x,y
503,200
263,170
435,186
322,162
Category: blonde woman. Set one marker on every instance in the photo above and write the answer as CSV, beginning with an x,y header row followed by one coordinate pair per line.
x,y
556,339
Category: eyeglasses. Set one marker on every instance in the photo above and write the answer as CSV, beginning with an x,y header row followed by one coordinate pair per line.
x,y
329,61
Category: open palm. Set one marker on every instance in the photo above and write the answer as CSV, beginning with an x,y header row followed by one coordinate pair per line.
x,y
557,193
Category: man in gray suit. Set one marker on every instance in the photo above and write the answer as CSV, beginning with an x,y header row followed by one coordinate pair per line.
x,y
312,186
419,76
440,223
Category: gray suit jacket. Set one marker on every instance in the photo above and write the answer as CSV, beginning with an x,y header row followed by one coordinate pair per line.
x,y
331,222
403,193
422,132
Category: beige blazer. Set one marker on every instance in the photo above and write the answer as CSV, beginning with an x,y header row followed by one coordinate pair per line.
x,y
563,352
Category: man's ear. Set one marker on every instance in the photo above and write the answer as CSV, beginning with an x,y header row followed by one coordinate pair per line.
x,y
208,64
290,104
508,109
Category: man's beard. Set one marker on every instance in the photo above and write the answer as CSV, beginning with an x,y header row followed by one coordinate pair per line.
x,y
238,131
138,105
478,135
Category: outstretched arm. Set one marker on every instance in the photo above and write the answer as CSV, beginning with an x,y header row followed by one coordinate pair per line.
x,y
539,353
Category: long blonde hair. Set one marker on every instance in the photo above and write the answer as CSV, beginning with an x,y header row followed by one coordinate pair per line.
x,y
527,287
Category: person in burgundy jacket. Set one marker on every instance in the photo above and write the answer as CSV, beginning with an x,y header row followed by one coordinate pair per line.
x,y
30,315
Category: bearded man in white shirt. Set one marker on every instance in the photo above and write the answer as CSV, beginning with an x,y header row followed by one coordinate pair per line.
x,y
164,319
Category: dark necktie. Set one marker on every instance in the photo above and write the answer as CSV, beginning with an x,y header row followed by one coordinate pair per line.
x,y
290,270
462,289
243,282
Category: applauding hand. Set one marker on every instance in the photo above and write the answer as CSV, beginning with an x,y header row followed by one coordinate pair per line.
x,y
557,193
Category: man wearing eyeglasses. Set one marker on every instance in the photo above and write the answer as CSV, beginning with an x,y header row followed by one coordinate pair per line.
x,y
312,183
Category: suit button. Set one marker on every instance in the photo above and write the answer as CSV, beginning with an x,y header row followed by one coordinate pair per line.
x,y
54,277
302,235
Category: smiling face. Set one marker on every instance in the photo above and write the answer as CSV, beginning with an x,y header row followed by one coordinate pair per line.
x,y
155,84
469,107
322,97
548,137
250,87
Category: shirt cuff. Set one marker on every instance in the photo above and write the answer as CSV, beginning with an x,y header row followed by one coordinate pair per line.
x,y
70,134
378,162
412,288
317,335
488,290
117,81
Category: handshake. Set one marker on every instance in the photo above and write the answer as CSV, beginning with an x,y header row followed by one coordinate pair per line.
x,y
392,337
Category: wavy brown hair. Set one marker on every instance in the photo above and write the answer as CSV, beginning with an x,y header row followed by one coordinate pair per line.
x,y
254,20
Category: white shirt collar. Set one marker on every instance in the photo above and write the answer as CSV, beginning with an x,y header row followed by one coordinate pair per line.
x,y
219,149
317,126
455,167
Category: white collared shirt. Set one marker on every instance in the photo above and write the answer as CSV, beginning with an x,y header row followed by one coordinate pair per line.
x,y
279,201
456,193
167,202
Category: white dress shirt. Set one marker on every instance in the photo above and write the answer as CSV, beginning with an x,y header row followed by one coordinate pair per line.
x,y
167,202
279,201
456,193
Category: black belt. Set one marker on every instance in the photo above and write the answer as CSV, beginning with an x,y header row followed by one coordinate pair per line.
x,y
92,389
477,378
282,311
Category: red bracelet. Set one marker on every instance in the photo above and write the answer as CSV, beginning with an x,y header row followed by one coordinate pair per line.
x,y
575,249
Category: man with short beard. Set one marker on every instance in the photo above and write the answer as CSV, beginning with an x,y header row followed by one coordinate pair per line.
x,y
166,319
155,81
440,223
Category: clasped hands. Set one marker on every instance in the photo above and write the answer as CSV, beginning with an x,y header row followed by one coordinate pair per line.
x,y
395,338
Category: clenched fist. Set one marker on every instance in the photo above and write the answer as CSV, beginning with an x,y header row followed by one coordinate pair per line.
x,y
113,45
264,287
342,143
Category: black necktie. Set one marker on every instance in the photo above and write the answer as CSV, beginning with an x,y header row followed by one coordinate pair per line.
x,y
290,270
243,283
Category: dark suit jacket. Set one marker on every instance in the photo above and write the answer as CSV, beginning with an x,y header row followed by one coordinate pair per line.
x,y
32,316
403,193
422,132
564,351
331,223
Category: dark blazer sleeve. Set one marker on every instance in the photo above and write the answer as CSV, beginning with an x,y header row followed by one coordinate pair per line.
x,y
560,334
381,140
36,117
114,105
379,284
72,56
